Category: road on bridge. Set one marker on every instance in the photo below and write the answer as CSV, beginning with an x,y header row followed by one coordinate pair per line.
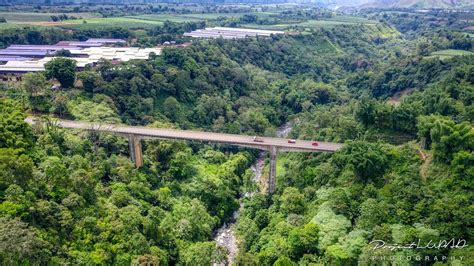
x,y
233,139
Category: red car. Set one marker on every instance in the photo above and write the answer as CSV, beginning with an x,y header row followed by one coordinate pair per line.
x,y
291,141
315,143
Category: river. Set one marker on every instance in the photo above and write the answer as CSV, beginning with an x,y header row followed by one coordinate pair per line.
x,y
224,236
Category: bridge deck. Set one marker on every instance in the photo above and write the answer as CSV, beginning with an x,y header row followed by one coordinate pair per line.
x,y
233,139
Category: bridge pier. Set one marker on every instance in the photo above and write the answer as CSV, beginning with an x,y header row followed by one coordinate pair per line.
x,y
272,173
135,146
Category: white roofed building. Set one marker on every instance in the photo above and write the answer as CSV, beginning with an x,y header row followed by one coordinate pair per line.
x,y
231,33
92,56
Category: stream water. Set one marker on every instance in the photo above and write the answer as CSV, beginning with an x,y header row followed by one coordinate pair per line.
x,y
224,236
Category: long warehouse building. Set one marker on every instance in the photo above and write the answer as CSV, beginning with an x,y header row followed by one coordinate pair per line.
x,y
31,58
231,33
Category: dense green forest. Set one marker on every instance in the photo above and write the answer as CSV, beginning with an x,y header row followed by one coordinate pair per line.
x,y
405,173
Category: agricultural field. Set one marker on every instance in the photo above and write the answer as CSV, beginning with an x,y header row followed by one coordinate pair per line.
x,y
267,27
124,22
339,20
93,20
165,17
227,15
446,54
32,17
193,17
4,26
326,23
352,20
209,16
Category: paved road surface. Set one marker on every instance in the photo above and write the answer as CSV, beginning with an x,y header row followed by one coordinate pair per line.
x,y
241,140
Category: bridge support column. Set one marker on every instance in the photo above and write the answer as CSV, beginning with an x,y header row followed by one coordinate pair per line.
x,y
135,145
272,172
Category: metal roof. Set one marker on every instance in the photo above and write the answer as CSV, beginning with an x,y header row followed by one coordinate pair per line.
x,y
256,31
80,44
14,58
93,55
42,47
22,52
105,40
230,33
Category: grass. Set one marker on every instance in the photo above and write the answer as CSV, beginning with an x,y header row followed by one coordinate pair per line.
x,y
352,20
165,17
124,22
266,27
148,21
334,22
4,26
93,21
193,17
446,54
327,46
207,16
29,17
329,22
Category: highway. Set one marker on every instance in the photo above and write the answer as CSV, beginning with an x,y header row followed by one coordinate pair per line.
x,y
233,139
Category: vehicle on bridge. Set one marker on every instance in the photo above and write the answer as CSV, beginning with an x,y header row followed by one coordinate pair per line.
x,y
315,143
257,139
292,141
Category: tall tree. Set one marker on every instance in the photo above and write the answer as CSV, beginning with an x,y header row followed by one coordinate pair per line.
x,y
62,69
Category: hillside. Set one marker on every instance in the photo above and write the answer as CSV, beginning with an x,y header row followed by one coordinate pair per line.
x,y
422,4
419,4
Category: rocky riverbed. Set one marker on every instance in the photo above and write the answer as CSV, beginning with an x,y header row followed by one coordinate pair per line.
x,y
224,236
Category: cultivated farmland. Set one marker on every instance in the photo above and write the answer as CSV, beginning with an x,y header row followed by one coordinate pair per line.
x,y
124,22
449,53
32,17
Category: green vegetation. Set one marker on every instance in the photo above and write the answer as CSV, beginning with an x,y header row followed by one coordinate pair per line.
x,y
28,17
164,17
189,17
405,173
336,21
446,54
62,69
122,22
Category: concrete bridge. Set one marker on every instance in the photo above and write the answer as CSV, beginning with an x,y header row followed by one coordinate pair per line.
x,y
135,134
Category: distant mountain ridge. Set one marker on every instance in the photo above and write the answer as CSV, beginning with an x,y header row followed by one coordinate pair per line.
x,y
420,3
334,4
451,4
